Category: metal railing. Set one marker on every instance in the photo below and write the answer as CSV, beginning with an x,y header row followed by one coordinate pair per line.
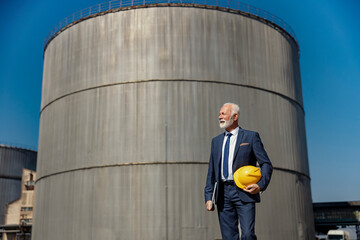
x,y
112,5
5,144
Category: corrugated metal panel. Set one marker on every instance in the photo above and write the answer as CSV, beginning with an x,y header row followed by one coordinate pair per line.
x,y
106,126
170,43
129,107
125,203
287,207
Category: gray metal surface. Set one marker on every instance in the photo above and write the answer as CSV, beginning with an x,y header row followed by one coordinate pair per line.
x,y
12,162
223,5
129,106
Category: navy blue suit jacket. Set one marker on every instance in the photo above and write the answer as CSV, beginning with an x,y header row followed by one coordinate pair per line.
x,y
249,150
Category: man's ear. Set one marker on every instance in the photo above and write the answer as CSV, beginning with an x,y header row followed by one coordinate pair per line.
x,y
235,117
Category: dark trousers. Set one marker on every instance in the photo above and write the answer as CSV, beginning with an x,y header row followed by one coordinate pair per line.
x,y
234,210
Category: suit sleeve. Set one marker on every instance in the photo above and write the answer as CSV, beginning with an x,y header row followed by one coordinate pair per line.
x,y
264,162
210,179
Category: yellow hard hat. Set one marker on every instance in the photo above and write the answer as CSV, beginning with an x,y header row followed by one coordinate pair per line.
x,y
246,176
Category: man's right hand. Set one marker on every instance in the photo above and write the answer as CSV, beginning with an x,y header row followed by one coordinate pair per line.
x,y
208,206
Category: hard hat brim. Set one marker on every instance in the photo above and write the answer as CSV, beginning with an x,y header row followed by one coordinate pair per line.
x,y
239,185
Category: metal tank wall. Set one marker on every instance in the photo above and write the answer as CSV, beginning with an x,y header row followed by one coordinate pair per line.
x,y
129,106
12,162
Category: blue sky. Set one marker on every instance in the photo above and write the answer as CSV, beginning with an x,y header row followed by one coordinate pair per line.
x,y
328,34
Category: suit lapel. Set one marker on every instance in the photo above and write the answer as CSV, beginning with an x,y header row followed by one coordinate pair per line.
x,y
219,150
238,142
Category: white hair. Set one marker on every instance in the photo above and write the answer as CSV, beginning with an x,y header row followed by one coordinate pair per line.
x,y
234,108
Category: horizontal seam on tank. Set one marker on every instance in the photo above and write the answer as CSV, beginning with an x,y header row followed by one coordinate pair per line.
x,y
292,171
175,80
120,165
153,163
10,177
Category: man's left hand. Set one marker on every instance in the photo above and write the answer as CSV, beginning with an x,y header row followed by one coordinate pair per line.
x,y
252,189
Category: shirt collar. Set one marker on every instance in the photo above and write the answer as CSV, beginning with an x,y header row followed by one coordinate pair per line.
x,y
233,132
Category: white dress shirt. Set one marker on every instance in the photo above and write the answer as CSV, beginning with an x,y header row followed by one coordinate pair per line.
x,y
233,139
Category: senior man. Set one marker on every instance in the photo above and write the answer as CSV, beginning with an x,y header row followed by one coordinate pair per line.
x,y
234,148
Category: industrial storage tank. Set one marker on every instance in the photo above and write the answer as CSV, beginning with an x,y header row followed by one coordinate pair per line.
x,y
130,101
12,161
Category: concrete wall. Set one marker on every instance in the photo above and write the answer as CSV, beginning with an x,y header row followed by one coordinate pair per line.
x,y
12,162
14,212
129,106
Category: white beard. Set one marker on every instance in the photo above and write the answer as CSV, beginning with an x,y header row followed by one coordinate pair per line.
x,y
225,124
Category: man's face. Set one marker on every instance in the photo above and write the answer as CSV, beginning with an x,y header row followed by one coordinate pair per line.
x,y
225,119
